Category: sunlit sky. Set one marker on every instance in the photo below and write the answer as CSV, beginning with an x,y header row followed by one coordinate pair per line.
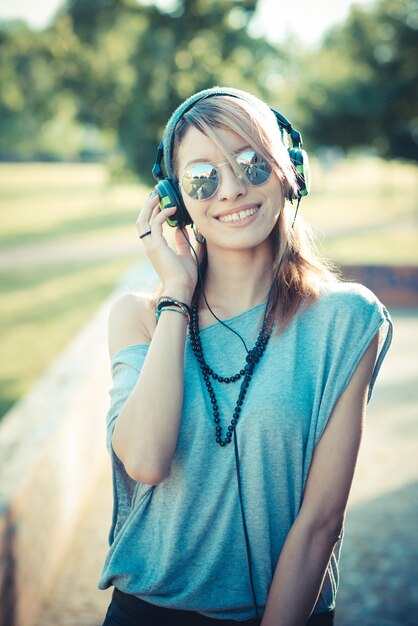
x,y
308,19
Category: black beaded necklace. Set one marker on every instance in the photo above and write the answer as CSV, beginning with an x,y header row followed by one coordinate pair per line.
x,y
252,358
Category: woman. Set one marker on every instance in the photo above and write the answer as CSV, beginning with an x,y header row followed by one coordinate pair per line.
x,y
239,392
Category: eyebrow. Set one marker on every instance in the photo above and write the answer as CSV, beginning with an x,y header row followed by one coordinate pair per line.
x,y
205,160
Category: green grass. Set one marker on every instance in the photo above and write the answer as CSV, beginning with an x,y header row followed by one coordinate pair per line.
x,y
55,202
366,208
41,309
43,306
365,211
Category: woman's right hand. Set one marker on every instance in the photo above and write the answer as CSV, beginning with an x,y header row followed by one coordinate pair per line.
x,y
177,270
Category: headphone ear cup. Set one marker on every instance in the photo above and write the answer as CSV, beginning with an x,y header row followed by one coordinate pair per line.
x,y
300,161
169,193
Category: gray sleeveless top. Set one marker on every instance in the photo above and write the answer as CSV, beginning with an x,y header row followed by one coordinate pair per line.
x,y
180,544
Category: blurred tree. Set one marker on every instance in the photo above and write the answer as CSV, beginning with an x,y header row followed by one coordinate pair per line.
x,y
38,117
27,87
361,88
140,62
108,73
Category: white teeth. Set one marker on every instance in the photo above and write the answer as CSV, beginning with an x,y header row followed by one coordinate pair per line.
x,y
241,215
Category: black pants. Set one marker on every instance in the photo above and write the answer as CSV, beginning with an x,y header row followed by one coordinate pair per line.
x,y
127,610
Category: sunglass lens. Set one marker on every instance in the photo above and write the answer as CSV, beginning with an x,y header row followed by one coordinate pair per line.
x,y
200,182
255,168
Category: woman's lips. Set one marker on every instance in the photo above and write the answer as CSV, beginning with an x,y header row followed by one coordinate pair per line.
x,y
239,216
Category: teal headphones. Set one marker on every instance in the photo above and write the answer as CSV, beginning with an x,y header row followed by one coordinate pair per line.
x,y
167,187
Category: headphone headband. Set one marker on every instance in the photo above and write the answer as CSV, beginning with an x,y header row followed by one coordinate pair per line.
x,y
167,186
165,149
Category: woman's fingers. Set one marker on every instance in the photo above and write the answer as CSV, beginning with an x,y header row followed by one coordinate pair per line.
x,y
158,218
149,205
154,227
143,220
181,238
152,217
154,214
166,261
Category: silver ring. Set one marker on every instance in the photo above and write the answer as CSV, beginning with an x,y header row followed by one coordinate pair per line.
x,y
148,232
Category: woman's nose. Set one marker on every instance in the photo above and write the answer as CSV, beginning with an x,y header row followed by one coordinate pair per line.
x,y
231,186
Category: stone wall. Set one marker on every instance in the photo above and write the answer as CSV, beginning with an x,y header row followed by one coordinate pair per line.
x,y
52,450
395,286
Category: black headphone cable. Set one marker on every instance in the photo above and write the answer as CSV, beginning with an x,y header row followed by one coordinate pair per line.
x,y
237,460
268,294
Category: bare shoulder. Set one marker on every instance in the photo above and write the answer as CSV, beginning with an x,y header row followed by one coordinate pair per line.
x,y
131,321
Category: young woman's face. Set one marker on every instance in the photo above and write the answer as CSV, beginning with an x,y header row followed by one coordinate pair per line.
x,y
239,215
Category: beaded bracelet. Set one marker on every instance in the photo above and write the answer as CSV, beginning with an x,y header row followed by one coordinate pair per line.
x,y
167,301
167,308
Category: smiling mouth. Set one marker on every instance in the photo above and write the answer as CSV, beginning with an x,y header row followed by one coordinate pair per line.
x,y
239,216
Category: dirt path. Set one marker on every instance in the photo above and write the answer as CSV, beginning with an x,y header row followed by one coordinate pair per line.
x,y
37,254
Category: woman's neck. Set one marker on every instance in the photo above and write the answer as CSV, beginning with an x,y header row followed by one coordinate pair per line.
x,y
237,280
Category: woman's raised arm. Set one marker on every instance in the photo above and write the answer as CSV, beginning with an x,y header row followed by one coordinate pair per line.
x,y
147,427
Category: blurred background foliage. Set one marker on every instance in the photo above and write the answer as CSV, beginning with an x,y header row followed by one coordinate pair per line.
x,y
361,88
103,78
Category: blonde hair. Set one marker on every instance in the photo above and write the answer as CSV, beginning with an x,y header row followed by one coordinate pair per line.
x,y
302,269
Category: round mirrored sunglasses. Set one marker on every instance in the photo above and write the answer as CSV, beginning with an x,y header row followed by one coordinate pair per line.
x,y
201,181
